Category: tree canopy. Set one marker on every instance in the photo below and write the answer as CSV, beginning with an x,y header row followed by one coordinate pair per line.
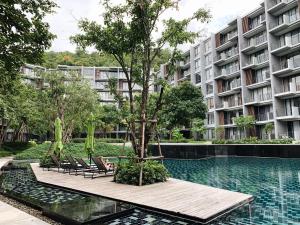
x,y
183,104
24,36
128,33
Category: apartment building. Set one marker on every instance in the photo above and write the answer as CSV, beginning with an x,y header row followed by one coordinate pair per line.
x,y
98,78
251,67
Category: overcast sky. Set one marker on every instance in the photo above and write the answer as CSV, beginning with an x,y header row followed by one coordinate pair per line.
x,y
64,22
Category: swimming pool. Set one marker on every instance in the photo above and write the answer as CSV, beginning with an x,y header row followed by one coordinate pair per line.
x,y
275,184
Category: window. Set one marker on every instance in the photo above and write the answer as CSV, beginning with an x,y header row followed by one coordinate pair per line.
x,y
197,64
231,67
260,57
197,51
208,74
261,94
207,46
209,89
210,119
261,75
198,78
254,22
208,60
210,103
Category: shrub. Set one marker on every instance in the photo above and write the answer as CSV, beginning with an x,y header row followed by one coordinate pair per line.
x,y
74,149
46,161
129,172
103,140
254,140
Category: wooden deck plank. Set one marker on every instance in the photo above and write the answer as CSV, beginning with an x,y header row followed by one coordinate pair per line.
x,y
175,196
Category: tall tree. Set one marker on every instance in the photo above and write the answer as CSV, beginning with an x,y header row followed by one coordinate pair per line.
x,y
182,105
127,34
24,36
70,98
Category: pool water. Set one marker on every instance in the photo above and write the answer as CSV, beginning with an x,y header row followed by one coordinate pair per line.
x,y
274,183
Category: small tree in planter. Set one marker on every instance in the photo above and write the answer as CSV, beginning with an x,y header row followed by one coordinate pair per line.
x,y
268,129
198,128
128,34
220,132
244,123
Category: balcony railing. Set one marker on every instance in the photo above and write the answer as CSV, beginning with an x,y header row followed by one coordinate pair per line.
x,y
261,78
234,84
264,117
224,56
259,98
253,42
279,2
291,88
286,20
257,60
225,72
288,64
293,112
229,104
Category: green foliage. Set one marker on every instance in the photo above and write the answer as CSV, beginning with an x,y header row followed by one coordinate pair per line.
x,y
71,101
220,132
177,135
268,129
103,140
24,37
82,58
127,34
182,105
74,149
198,127
254,140
245,122
129,172
46,161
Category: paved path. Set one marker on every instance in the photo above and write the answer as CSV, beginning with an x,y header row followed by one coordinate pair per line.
x,y
10,215
174,196
13,216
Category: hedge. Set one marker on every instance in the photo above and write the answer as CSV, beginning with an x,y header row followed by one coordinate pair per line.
x,y
253,141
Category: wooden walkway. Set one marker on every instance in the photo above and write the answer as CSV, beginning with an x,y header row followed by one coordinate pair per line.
x,y
199,202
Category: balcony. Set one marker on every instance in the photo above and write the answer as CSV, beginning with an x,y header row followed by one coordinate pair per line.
x,y
286,25
229,41
285,48
228,74
261,82
223,58
233,88
259,100
257,63
292,91
264,118
255,45
185,64
286,69
229,106
280,6
258,28
289,115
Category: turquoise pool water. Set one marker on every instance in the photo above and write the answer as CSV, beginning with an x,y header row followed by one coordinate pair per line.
x,y
275,184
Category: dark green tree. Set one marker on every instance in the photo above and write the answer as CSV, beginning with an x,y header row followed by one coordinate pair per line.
x,y
24,36
127,34
182,105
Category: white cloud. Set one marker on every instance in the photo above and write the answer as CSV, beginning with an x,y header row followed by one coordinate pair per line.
x,y
64,22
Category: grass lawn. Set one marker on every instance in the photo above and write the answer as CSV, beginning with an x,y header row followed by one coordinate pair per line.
x,y
74,149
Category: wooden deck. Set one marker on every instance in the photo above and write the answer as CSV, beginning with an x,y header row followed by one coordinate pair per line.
x,y
195,201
